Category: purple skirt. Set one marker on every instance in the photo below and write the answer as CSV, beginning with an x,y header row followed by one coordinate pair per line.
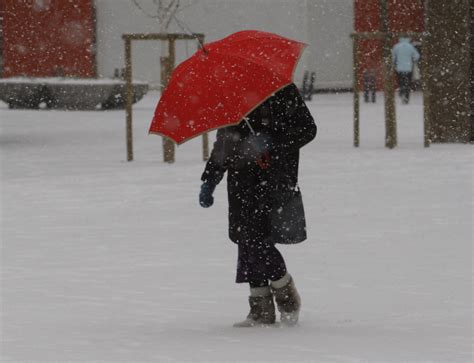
x,y
257,263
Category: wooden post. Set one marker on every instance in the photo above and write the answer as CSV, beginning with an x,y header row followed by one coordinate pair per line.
x,y
390,119
129,100
389,92
167,65
205,137
166,69
205,146
355,46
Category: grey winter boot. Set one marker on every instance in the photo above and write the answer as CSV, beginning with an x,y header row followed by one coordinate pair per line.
x,y
262,312
288,300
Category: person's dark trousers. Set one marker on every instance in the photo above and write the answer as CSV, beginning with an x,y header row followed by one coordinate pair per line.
x,y
258,263
404,83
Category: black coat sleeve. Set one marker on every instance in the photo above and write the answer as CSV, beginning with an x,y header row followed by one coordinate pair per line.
x,y
298,125
216,166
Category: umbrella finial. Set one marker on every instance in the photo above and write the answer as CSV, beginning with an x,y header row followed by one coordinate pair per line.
x,y
201,45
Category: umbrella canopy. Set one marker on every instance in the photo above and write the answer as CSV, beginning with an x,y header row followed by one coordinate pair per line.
x,y
223,82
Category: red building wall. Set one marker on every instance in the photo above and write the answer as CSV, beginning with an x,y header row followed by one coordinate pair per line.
x,y
403,15
43,38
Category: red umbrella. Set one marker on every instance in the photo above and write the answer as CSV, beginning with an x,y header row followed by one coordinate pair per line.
x,y
223,82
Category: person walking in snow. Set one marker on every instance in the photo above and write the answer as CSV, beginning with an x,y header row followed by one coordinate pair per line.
x,y
261,157
404,55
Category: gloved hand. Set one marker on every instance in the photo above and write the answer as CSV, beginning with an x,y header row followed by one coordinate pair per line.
x,y
205,196
263,160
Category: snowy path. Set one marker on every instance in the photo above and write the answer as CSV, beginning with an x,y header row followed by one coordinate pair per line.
x,y
114,261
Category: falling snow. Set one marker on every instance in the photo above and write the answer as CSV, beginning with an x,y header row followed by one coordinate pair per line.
x,y
115,261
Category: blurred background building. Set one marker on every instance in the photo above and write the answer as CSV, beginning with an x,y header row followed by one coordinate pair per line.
x,y
83,38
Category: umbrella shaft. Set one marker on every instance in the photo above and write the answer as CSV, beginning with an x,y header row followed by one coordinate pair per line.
x,y
248,124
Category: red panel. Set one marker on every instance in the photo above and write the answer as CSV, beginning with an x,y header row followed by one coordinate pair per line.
x,y
367,15
48,38
407,15
404,15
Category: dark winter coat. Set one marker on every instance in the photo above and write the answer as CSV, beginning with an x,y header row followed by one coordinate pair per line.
x,y
264,200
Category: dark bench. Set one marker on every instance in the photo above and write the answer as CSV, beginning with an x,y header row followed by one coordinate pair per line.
x,y
68,93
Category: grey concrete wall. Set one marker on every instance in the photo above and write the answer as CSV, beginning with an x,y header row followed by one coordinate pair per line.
x,y
324,24
330,23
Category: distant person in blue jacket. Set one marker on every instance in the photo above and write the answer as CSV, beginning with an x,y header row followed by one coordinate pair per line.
x,y
404,55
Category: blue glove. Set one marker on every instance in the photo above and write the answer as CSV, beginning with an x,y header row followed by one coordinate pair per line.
x,y
205,196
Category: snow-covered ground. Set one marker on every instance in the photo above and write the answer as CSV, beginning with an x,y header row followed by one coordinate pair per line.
x,y
105,260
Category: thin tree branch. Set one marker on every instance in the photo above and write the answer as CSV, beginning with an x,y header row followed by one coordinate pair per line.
x,y
165,11
144,11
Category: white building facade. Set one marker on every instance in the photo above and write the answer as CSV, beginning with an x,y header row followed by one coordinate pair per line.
x,y
325,25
